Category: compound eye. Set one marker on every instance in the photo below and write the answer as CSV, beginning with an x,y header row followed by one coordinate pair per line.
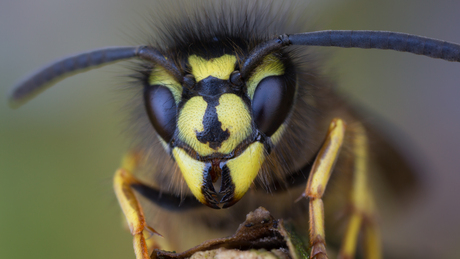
x,y
272,102
161,109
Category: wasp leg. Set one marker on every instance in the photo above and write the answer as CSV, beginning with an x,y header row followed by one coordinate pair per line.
x,y
130,206
317,181
362,201
372,242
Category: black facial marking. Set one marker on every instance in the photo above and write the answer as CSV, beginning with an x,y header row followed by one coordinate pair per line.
x,y
211,89
212,132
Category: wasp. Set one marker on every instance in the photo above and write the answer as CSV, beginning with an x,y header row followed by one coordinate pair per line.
x,y
207,139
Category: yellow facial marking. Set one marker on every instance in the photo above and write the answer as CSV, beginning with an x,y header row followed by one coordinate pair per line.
x,y
190,121
220,67
160,76
231,112
235,117
244,168
163,143
276,137
271,66
192,170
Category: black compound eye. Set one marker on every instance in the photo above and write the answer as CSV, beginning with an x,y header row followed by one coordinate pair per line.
x,y
161,109
272,102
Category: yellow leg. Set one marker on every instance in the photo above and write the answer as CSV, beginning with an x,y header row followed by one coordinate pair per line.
x,y
363,208
317,182
372,243
130,206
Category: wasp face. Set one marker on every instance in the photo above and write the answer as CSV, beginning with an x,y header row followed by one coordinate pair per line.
x,y
218,126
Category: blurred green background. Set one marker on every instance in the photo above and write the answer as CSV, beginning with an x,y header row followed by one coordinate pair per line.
x,y
59,152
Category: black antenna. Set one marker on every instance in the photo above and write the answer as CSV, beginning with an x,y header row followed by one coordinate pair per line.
x,y
356,39
65,67
82,62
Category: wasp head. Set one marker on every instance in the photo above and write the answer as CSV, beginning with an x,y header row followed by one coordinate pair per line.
x,y
218,126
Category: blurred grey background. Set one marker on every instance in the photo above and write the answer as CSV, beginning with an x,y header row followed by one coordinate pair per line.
x,y
59,152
